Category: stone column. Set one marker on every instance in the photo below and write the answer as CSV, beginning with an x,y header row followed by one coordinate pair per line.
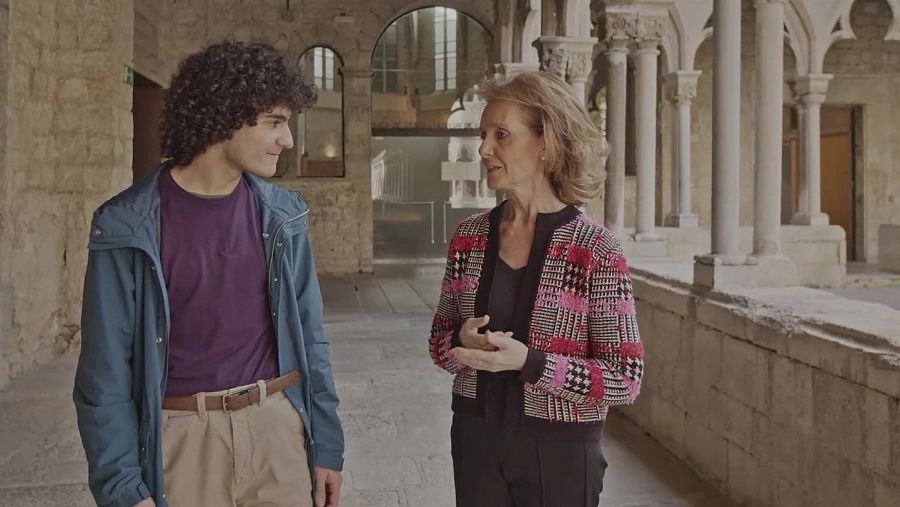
x,y
773,268
645,142
616,95
712,269
682,89
810,91
358,155
769,121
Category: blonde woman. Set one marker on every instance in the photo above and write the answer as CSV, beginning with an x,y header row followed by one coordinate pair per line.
x,y
536,316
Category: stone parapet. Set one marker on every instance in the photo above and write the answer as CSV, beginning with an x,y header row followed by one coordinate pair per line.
x,y
889,247
778,397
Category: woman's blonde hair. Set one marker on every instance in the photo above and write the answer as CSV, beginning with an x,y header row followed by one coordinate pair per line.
x,y
575,149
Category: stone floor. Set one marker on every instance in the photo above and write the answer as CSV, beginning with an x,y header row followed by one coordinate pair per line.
x,y
395,408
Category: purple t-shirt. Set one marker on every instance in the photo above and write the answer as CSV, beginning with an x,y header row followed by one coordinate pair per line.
x,y
215,270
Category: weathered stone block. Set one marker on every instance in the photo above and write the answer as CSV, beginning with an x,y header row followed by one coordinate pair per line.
x,y
667,421
731,419
743,478
792,395
741,362
790,455
877,409
839,419
722,318
666,337
706,450
706,350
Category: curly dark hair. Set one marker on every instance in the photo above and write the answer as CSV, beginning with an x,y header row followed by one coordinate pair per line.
x,y
222,88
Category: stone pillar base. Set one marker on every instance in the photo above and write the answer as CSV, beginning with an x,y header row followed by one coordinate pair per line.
x,y
809,219
754,272
649,245
681,220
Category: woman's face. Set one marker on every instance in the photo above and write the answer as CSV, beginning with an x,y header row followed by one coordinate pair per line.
x,y
510,150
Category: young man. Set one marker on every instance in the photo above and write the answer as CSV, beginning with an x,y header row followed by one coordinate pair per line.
x,y
204,378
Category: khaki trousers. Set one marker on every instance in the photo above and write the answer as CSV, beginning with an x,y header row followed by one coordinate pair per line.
x,y
255,457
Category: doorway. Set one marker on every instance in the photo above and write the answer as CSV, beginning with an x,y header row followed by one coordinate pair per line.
x,y
839,155
147,109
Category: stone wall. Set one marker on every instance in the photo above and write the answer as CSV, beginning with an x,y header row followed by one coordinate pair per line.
x,y
68,135
332,221
154,49
780,398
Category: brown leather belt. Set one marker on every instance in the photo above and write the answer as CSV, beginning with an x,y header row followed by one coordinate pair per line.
x,y
233,401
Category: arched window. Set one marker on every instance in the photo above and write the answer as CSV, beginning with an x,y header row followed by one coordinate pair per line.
x,y
318,131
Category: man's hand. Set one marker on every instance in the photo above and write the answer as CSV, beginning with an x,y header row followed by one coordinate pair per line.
x,y
471,338
146,503
507,354
328,486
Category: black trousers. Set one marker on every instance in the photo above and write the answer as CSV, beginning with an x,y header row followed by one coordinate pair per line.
x,y
494,467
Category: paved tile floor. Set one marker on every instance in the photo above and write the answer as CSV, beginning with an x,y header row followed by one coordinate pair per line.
x,y
395,408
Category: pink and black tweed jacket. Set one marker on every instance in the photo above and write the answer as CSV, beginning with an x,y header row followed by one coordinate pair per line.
x,y
585,352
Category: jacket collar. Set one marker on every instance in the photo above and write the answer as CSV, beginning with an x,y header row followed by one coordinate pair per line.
x,y
131,218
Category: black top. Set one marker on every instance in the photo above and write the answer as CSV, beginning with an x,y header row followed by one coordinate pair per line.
x,y
500,388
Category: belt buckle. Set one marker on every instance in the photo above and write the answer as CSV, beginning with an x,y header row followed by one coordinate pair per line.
x,y
230,395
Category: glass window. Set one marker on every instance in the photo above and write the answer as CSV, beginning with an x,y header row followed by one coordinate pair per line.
x,y
323,68
384,62
444,48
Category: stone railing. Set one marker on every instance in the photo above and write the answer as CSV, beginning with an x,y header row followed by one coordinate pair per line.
x,y
778,397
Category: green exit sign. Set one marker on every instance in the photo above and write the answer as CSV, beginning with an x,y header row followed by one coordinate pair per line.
x,y
128,75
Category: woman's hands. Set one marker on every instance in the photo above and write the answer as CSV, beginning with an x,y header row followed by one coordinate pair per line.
x,y
492,351
469,336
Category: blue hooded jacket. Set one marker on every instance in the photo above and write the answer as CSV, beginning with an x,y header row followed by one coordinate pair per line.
x,y
121,374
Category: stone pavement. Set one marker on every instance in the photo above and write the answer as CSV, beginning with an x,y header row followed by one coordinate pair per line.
x,y
395,408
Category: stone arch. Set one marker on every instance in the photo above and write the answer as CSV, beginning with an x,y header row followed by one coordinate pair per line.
x,y
874,38
671,42
532,25
688,27
798,30
894,31
467,7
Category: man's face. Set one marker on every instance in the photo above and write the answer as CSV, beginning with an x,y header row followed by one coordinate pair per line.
x,y
256,148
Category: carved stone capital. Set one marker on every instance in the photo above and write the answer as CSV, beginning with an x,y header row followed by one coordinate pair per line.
x,y
681,86
580,66
635,26
553,59
568,58
811,89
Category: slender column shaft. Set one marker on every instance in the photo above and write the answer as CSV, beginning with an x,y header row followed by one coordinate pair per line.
x,y
683,132
813,158
810,92
645,142
616,95
726,128
769,104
